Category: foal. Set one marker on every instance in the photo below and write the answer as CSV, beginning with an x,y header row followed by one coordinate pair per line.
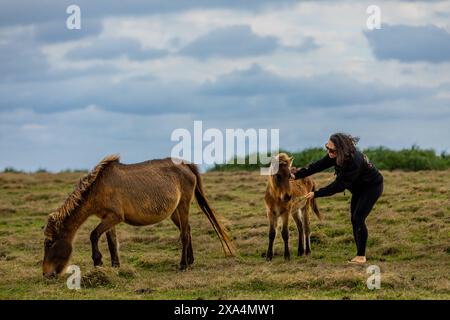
x,y
283,197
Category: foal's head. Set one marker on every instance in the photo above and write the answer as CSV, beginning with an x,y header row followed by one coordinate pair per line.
x,y
57,251
279,179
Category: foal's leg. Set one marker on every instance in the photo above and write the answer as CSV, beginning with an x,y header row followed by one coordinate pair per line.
x,y
306,226
113,246
190,252
273,221
285,234
107,223
301,236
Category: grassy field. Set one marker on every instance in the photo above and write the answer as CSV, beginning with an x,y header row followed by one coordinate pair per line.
x,y
409,232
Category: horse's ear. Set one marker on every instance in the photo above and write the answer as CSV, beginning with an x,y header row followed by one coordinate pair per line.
x,y
291,159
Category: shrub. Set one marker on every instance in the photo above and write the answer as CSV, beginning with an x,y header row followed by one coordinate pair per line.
x,y
11,170
412,159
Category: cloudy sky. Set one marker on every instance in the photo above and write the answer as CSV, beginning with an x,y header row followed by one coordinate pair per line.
x,y
136,72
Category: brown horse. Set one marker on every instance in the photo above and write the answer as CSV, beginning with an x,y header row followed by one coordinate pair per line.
x,y
138,194
284,197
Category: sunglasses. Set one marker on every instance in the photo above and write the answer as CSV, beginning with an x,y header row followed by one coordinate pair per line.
x,y
329,149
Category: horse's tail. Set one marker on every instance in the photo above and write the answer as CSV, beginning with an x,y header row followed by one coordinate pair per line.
x,y
203,203
314,205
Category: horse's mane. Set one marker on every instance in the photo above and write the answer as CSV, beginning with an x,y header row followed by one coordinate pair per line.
x,y
74,199
280,159
283,158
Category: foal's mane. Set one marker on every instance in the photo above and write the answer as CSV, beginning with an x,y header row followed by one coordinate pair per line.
x,y
72,202
283,158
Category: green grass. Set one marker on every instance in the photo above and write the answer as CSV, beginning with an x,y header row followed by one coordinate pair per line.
x,y
409,230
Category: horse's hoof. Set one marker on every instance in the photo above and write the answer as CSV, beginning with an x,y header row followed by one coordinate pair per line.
x,y
115,265
98,264
287,258
268,259
182,268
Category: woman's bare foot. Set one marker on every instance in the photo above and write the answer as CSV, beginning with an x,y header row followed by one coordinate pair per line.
x,y
359,260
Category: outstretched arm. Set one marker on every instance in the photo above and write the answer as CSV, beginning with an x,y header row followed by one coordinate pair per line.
x,y
343,180
333,188
320,165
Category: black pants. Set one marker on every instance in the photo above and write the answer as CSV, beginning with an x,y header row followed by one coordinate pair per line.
x,y
361,205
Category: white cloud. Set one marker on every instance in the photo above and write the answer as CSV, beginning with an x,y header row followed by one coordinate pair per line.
x,y
57,138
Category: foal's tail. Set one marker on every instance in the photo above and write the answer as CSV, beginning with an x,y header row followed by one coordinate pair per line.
x,y
314,205
221,232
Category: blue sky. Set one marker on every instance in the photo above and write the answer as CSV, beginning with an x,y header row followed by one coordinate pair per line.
x,y
136,72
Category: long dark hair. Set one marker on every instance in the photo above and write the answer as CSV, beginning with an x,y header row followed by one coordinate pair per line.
x,y
345,146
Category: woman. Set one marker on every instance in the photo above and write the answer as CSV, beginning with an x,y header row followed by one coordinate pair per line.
x,y
353,172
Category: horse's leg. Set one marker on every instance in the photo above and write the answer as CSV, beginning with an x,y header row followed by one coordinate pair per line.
x,y
273,221
285,234
183,215
107,223
190,252
113,246
306,223
301,246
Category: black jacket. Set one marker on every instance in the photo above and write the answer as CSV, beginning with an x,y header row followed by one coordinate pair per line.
x,y
356,174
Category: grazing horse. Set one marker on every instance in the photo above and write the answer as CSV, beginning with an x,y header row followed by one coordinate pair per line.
x,y
285,197
138,194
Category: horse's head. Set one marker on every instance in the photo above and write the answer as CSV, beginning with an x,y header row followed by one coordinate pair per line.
x,y
280,176
57,251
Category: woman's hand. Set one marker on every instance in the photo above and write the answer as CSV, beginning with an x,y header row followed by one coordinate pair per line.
x,y
309,195
293,172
